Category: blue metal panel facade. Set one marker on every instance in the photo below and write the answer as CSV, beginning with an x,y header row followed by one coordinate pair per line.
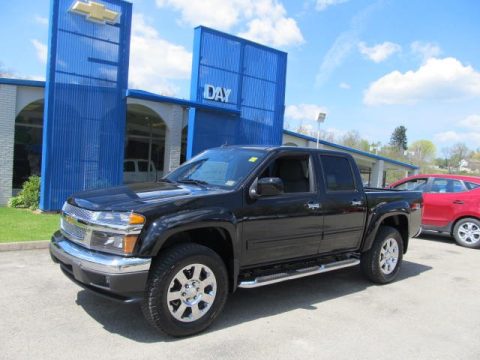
x,y
256,76
84,124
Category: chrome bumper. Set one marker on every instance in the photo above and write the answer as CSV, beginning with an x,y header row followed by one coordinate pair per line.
x,y
70,253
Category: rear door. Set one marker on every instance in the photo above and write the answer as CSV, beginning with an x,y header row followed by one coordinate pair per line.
x,y
442,201
343,204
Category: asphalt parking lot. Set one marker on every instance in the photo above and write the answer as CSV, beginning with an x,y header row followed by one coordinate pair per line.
x,y
431,312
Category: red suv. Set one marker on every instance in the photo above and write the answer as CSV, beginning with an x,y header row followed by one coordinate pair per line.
x,y
451,205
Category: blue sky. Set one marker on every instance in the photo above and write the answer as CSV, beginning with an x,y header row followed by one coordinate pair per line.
x,y
370,65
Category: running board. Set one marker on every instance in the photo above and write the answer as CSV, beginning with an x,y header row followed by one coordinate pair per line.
x,y
295,274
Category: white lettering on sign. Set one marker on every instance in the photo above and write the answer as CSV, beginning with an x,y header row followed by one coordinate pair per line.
x,y
216,93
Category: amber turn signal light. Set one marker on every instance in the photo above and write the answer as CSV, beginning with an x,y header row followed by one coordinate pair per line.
x,y
129,242
136,219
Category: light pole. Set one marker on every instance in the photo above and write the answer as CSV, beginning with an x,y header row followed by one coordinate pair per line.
x,y
320,119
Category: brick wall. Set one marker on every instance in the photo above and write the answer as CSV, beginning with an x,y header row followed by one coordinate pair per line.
x,y
8,97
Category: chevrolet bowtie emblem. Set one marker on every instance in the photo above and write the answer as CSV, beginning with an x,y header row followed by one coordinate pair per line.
x,y
95,12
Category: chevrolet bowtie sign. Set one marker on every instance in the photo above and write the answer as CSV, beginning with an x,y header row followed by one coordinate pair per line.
x,y
95,12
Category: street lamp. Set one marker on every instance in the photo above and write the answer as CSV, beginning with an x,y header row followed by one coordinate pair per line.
x,y
320,119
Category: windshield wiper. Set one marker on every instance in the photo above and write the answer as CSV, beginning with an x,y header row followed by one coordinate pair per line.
x,y
192,181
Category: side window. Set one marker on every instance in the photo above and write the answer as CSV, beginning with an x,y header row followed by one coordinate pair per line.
x,y
446,186
338,173
142,166
129,166
471,186
294,172
412,185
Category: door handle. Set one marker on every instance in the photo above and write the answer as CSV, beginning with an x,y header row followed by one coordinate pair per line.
x,y
458,202
357,203
312,206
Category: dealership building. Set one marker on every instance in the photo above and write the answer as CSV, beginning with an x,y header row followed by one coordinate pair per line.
x,y
83,127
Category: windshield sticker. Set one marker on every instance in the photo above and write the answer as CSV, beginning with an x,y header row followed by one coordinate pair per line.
x,y
253,159
230,183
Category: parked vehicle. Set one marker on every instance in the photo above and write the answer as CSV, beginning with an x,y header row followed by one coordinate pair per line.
x,y
231,217
451,205
139,170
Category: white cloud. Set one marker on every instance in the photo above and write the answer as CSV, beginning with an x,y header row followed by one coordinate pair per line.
x,y
379,52
447,136
343,45
437,79
471,122
266,20
323,4
344,85
41,49
280,31
154,62
41,20
425,50
221,14
303,111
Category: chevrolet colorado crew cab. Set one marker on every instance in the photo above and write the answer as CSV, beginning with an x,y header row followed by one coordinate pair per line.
x,y
231,217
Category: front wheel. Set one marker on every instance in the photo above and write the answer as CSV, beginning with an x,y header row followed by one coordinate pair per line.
x,y
467,233
381,264
186,290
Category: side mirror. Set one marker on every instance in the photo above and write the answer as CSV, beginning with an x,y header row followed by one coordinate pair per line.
x,y
268,186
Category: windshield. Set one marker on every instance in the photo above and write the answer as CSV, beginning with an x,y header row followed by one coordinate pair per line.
x,y
223,167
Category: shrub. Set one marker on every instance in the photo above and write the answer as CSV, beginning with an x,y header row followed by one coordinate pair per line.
x,y
29,196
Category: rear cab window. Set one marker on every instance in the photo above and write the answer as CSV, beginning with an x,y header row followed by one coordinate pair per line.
x,y
338,173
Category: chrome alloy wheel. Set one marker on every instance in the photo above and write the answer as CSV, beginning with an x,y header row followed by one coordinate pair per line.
x,y
469,233
389,256
191,292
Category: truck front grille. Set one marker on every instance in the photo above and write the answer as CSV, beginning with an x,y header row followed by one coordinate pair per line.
x,y
78,213
73,223
72,231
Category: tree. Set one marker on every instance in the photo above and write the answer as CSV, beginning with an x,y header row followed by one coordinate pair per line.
x,y
398,140
423,153
459,152
353,139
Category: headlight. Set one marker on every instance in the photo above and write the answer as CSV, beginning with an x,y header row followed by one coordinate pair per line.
x,y
113,242
116,232
118,218
109,231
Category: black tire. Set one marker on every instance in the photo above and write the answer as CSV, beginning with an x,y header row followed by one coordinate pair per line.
x,y
370,261
165,270
461,236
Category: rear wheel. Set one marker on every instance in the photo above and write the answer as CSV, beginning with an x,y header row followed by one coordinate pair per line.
x,y
467,233
186,290
382,262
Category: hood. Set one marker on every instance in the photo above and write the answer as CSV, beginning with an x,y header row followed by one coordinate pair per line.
x,y
134,197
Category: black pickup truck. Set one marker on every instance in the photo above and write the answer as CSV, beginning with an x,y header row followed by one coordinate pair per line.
x,y
231,217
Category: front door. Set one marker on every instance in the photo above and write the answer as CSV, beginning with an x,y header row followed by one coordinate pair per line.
x,y
285,226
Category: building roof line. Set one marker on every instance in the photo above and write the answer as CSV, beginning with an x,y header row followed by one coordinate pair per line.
x,y
145,95
22,82
137,94
352,150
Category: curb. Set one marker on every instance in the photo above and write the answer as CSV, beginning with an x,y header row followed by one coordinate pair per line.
x,y
24,245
